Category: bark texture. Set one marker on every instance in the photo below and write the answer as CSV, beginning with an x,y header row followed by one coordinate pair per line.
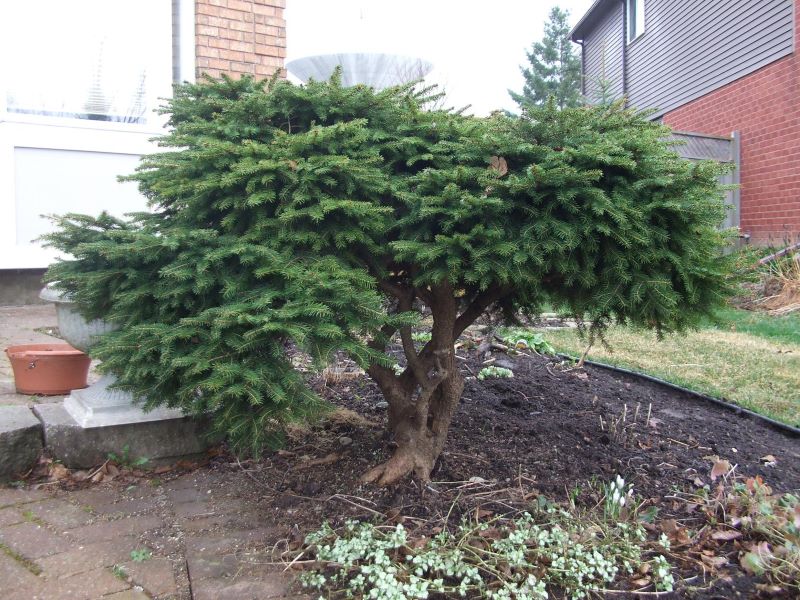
x,y
424,397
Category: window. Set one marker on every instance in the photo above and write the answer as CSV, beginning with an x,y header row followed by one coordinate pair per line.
x,y
635,19
90,59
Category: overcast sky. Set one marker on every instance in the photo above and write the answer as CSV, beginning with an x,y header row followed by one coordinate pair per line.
x,y
476,47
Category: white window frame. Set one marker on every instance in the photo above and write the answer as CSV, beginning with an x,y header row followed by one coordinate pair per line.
x,y
635,25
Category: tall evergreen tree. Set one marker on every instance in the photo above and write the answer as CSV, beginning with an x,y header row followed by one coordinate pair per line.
x,y
554,67
315,219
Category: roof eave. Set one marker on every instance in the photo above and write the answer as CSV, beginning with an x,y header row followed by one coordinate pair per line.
x,y
577,33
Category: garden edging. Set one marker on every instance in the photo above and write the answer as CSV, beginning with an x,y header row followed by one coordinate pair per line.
x,y
783,427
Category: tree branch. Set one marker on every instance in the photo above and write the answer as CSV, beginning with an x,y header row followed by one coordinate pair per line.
x,y
476,308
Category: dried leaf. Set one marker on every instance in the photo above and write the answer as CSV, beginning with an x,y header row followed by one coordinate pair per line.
x,y
769,460
499,164
418,543
295,538
675,532
328,459
770,590
482,513
80,475
492,533
640,583
58,472
714,562
726,535
162,469
721,467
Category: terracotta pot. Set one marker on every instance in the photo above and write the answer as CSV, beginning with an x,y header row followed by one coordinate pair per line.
x,y
48,369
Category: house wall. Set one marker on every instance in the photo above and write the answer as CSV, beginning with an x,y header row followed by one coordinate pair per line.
x,y
691,48
603,54
238,37
688,48
60,165
765,108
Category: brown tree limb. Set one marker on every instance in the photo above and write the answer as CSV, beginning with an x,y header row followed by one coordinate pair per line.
x,y
476,308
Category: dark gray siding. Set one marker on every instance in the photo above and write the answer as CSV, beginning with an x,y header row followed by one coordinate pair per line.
x,y
691,47
603,53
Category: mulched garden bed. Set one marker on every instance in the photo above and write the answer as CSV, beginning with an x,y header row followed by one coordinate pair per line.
x,y
549,430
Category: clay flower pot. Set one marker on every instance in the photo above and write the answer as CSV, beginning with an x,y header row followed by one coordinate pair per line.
x,y
48,369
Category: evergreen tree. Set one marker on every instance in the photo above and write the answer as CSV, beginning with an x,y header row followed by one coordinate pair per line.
x,y
555,67
320,218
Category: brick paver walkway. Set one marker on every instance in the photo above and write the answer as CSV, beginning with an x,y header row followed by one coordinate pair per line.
x,y
202,536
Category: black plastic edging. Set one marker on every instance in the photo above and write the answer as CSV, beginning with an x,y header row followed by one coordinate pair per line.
x,y
784,427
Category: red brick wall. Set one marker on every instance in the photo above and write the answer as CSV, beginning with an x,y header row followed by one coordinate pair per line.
x,y
765,107
240,36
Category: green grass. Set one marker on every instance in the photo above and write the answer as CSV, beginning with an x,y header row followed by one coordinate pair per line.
x,y
778,329
750,359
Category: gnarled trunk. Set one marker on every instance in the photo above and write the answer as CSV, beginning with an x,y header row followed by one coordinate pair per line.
x,y
423,399
419,427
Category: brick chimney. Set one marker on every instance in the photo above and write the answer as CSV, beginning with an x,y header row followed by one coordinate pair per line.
x,y
240,36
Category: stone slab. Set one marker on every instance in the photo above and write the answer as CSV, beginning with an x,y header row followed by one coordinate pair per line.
x,y
155,575
20,441
100,405
14,575
59,513
79,447
86,557
34,541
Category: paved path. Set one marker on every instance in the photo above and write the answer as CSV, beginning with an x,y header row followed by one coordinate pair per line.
x,y
201,536
204,535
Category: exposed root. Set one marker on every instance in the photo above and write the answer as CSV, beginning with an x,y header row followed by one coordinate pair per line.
x,y
396,468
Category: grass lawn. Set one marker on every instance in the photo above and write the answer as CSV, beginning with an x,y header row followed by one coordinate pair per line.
x,y
747,358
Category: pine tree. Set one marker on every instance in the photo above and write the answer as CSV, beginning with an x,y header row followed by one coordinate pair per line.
x,y
293,221
555,67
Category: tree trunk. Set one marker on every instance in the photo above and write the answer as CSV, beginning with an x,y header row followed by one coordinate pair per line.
x,y
419,429
423,399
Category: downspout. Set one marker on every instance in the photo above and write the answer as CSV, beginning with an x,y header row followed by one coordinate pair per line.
x,y
624,52
583,67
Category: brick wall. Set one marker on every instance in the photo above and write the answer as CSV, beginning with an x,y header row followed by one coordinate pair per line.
x,y
240,36
765,107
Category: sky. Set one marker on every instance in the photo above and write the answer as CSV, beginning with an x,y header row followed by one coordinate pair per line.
x,y
476,47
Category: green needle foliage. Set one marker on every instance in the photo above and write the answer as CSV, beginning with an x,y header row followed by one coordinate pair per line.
x,y
288,218
554,67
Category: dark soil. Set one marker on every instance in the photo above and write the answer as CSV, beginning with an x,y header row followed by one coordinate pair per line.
x,y
549,430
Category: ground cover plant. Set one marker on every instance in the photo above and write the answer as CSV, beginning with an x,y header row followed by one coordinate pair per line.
x,y
751,359
292,222
526,556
